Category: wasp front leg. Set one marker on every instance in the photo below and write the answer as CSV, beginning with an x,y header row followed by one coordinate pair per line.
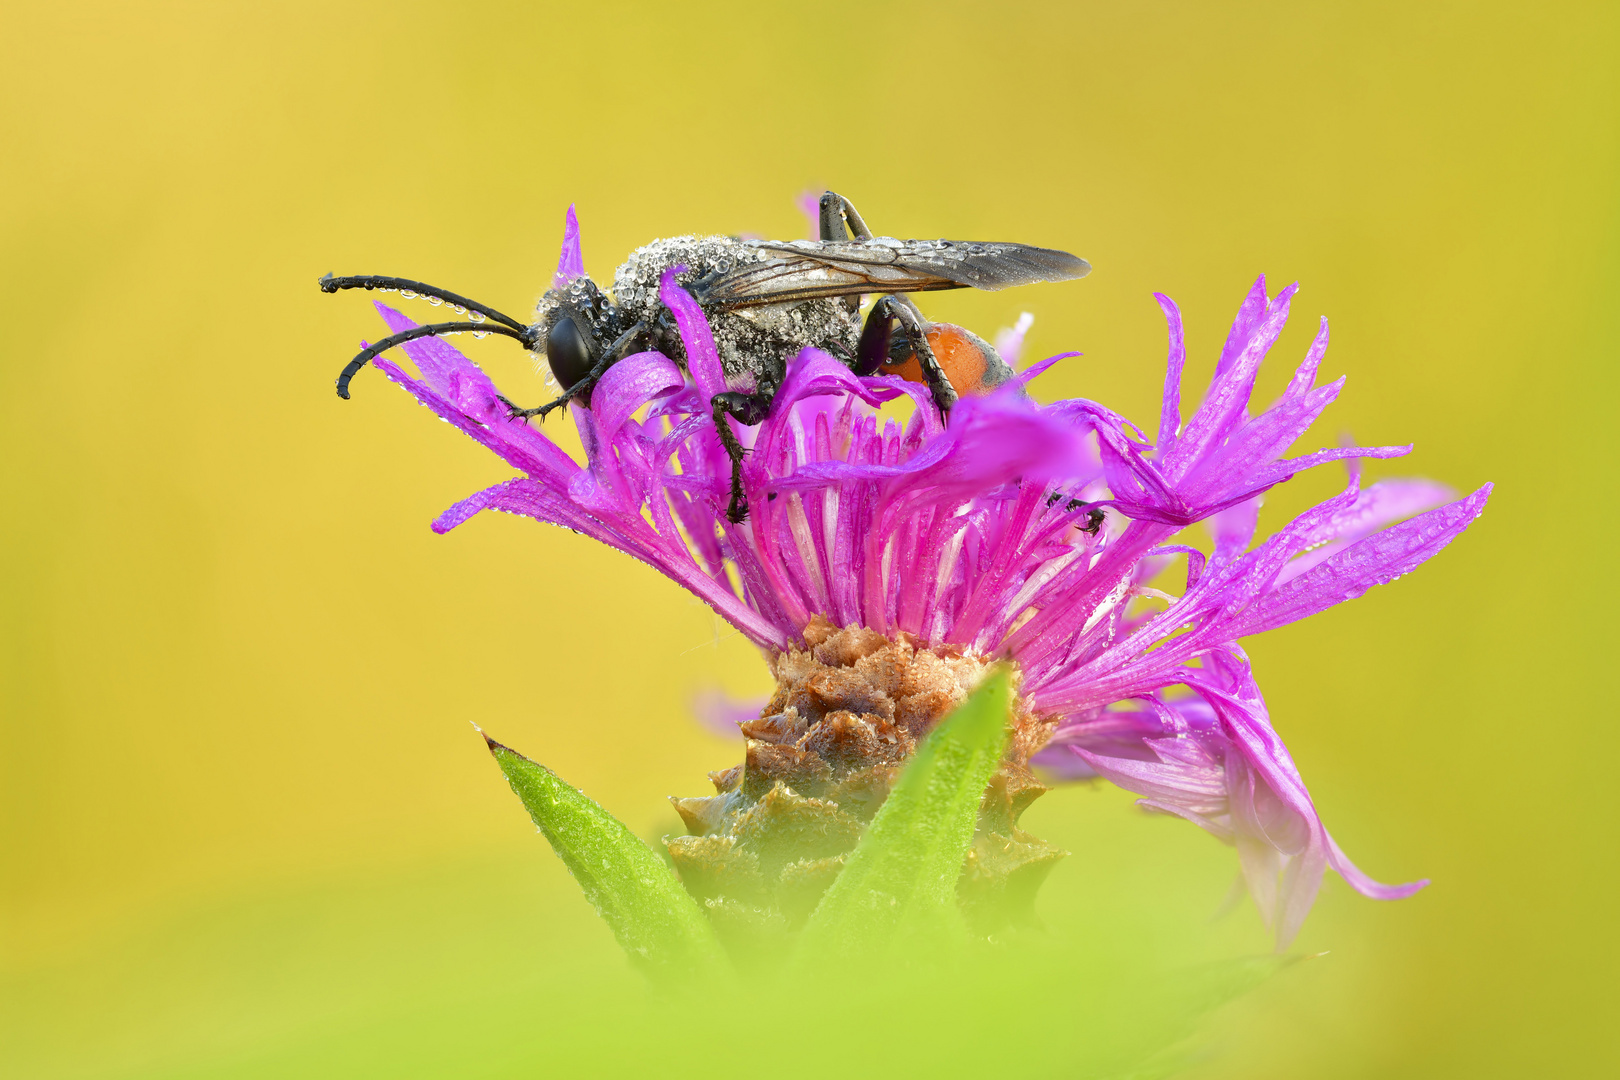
x,y
748,410
584,384
877,339
580,389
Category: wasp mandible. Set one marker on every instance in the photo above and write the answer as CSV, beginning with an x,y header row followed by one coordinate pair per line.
x,y
765,301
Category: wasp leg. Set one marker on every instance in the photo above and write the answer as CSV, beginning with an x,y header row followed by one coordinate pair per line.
x,y
878,334
580,389
748,410
585,385
839,217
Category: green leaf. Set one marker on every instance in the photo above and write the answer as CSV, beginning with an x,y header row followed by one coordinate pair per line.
x,y
900,882
1182,1000
654,919
1202,989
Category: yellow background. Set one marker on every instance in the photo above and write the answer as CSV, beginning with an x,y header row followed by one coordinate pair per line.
x,y
247,828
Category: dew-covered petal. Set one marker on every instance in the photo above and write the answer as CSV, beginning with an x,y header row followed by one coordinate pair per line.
x,y
814,373
571,263
1374,560
468,402
630,384
991,440
1041,367
1228,395
702,360
1384,503
441,364
1170,409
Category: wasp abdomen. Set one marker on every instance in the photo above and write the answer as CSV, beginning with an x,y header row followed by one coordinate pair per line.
x,y
971,365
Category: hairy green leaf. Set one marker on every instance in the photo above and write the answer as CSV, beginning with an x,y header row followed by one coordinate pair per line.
x,y
900,882
654,919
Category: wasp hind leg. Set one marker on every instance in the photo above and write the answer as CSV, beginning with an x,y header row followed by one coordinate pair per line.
x,y
748,410
840,220
877,338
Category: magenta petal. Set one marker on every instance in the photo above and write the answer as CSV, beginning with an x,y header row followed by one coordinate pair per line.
x,y
471,506
814,373
1041,367
571,263
1170,412
1363,884
1062,763
464,397
1009,341
701,358
1250,312
1233,528
809,204
1229,394
1302,880
1382,504
721,714
1375,560
991,440
442,365
1305,375
1165,781
630,384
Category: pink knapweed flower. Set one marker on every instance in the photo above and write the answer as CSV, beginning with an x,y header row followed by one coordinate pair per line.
x,y
980,534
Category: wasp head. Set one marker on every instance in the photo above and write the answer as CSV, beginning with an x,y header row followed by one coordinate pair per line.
x,y
576,322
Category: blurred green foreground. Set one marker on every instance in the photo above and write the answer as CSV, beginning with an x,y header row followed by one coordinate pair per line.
x,y
492,966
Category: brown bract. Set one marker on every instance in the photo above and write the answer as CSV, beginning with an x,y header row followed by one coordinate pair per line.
x,y
848,712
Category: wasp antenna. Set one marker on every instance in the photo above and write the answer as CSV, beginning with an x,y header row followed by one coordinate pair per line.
x,y
353,367
330,284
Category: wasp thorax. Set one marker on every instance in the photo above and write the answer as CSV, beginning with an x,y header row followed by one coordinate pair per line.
x,y
849,711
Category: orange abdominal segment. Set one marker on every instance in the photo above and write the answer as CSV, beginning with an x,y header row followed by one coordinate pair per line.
x,y
957,352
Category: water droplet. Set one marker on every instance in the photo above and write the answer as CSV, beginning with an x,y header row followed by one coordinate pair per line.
x,y
435,300
408,294
480,333
459,309
475,316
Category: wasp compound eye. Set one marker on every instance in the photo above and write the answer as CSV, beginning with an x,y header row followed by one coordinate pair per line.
x,y
568,354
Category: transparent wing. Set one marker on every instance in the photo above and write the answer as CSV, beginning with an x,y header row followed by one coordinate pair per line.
x,y
805,269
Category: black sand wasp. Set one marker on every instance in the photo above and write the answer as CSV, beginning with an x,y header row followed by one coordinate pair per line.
x,y
765,301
